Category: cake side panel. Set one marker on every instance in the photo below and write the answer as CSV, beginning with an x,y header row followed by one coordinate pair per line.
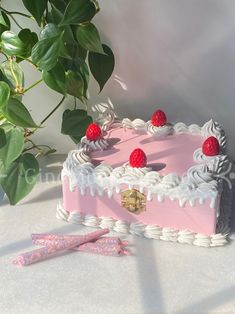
x,y
199,219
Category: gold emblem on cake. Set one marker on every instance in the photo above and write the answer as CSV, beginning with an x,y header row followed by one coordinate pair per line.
x,y
133,201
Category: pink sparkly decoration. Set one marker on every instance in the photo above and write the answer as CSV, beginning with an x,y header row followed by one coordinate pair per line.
x,y
46,239
111,246
59,245
103,249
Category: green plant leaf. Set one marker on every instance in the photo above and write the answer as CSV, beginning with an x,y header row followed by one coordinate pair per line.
x,y
75,123
14,144
49,31
64,52
101,66
76,51
16,113
10,67
7,126
79,11
18,45
80,68
36,8
74,84
3,139
4,94
47,51
59,4
11,44
29,39
4,22
20,178
56,16
3,78
89,38
84,71
55,78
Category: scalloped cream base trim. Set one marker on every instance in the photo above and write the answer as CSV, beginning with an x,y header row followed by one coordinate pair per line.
x,y
148,231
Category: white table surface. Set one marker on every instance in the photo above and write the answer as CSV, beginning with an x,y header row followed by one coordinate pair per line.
x,y
160,277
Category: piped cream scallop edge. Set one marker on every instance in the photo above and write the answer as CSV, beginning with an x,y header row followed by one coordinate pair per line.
x,y
94,140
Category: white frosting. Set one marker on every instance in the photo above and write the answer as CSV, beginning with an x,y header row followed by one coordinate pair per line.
x,y
148,231
180,128
108,119
79,156
141,125
212,128
198,183
100,144
137,124
160,130
216,164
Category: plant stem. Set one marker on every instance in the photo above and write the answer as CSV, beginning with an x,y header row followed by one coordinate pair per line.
x,y
13,73
33,85
75,103
29,140
12,17
47,146
4,54
15,12
36,146
28,149
48,116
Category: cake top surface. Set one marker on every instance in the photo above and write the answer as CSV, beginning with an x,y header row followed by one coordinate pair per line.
x,y
164,154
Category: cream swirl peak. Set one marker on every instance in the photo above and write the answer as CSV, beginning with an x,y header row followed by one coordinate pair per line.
x,y
160,130
213,128
75,158
108,119
99,144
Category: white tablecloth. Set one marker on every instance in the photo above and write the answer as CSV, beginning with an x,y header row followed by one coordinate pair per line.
x,y
160,277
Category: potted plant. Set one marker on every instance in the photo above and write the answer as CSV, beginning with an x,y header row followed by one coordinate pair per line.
x,y
67,50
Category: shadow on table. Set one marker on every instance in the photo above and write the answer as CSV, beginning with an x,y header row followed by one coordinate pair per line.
x,y
18,246
210,303
50,172
47,195
149,279
50,168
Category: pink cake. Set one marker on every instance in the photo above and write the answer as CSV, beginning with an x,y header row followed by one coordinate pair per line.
x,y
154,179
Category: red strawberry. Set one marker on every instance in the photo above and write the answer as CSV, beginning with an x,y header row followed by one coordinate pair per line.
x,y
138,158
158,118
211,146
93,132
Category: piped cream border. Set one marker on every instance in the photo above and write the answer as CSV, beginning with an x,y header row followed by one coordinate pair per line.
x,y
147,231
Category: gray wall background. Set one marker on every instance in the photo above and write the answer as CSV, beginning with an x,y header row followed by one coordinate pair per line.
x,y
175,54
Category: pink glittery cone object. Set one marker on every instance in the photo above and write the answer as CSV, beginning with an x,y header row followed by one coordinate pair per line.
x,y
109,246
59,245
